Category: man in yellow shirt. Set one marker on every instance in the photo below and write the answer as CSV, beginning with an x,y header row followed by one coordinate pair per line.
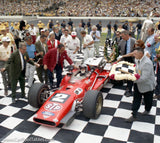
x,y
40,25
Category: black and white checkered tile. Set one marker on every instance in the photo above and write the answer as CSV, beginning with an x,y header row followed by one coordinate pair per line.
x,y
17,126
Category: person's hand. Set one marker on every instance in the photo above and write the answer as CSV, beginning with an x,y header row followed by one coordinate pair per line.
x,y
148,45
84,46
74,52
155,59
158,55
37,65
45,67
2,69
6,59
41,53
119,58
75,67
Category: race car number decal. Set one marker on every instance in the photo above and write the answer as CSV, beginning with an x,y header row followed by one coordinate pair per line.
x,y
59,97
53,107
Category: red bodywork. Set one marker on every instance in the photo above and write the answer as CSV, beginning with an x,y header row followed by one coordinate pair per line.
x,y
72,90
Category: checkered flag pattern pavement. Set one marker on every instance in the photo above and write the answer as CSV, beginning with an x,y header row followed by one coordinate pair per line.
x,y
16,121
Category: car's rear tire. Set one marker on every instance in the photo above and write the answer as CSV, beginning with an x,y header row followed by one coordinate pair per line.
x,y
92,104
37,94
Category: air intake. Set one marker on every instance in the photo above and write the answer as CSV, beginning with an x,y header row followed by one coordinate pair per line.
x,y
44,122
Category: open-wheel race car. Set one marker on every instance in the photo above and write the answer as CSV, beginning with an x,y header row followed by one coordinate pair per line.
x,y
79,92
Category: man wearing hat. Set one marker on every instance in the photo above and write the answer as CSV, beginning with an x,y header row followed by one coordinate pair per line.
x,y
73,45
5,52
6,34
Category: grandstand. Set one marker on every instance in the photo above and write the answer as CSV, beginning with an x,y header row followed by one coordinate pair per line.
x,y
81,8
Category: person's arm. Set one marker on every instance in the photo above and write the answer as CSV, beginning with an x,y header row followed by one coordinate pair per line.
x,y
46,59
68,58
128,55
77,48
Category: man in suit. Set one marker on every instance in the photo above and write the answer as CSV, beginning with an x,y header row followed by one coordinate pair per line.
x,y
17,65
144,85
126,46
41,50
53,60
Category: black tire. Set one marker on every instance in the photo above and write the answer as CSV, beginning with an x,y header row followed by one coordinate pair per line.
x,y
92,104
36,96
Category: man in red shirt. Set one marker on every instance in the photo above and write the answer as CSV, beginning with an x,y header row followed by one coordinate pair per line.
x,y
52,42
53,60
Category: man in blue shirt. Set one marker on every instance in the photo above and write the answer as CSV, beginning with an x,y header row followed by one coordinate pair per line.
x,y
30,69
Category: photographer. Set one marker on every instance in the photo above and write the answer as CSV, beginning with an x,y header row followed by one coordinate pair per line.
x,y
96,37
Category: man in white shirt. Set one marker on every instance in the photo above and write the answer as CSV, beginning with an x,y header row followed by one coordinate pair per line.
x,y
33,31
88,45
64,37
63,40
73,45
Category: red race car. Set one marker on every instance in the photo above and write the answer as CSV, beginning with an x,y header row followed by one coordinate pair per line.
x,y
79,91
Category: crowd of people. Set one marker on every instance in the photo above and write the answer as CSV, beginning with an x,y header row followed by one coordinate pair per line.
x,y
26,49
107,8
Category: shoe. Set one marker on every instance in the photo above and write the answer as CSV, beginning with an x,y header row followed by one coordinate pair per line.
x,y
6,92
145,112
131,119
23,96
128,94
13,100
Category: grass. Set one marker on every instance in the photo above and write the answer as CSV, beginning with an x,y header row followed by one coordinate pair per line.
x,y
103,39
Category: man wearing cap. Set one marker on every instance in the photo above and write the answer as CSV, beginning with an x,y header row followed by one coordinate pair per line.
x,y
88,45
52,42
5,34
73,45
5,52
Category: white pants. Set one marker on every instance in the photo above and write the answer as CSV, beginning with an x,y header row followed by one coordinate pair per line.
x,y
30,69
88,53
71,55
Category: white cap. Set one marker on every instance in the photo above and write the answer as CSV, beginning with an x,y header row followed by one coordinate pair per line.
x,y
39,21
51,33
6,39
57,21
73,34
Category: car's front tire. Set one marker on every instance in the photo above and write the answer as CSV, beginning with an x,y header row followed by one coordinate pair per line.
x,y
37,94
92,104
